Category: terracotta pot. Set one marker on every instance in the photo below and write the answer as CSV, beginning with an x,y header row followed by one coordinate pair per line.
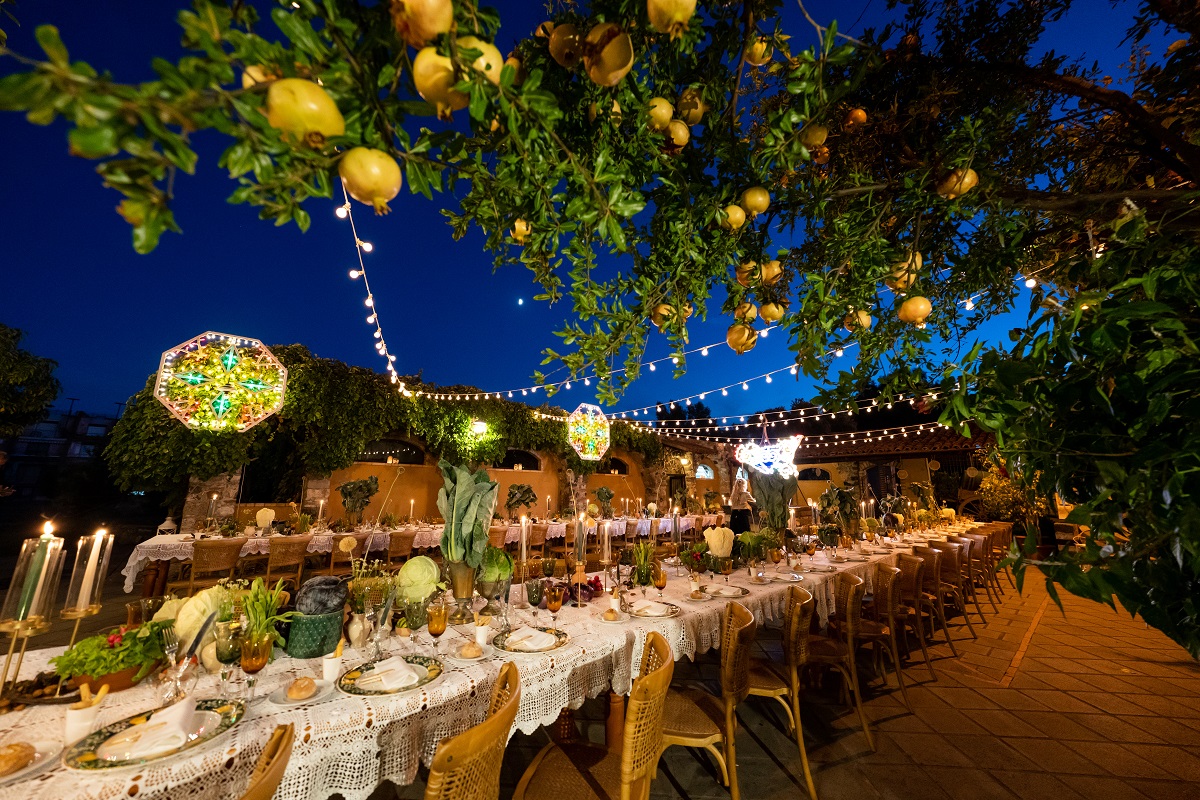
x,y
117,681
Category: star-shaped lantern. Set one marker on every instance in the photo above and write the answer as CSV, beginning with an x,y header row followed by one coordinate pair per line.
x,y
587,431
768,458
220,382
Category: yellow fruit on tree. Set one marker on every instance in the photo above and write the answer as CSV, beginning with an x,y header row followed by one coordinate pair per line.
x,y
418,22
678,133
745,312
858,320
771,272
434,75
303,111
607,54
255,74
741,338
691,107
489,63
614,112
914,310
735,217
661,111
520,230
855,119
958,183
671,16
755,200
759,51
813,135
772,312
566,45
370,176
904,273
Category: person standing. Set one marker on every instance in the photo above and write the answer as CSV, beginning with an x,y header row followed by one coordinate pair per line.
x,y
739,503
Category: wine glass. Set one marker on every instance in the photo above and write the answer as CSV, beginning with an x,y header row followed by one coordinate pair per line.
x,y
548,566
554,601
533,593
775,555
870,534
659,574
438,612
726,568
229,651
810,547
256,652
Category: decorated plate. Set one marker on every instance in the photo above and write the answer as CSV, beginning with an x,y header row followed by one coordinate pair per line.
x,y
621,617
725,591
787,577
426,667
501,642
672,611
45,752
488,652
279,696
213,717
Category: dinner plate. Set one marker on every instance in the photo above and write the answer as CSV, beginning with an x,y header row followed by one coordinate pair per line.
x,y
488,652
501,642
426,667
760,581
787,578
44,753
725,591
621,617
672,611
213,717
703,598
279,696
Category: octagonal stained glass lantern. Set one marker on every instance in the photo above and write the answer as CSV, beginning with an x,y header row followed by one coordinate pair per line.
x,y
587,431
216,381
770,457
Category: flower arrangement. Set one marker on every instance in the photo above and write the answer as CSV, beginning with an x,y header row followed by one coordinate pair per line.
x,y
651,510
720,541
642,555
829,534
754,545
369,581
118,650
466,501
694,557
261,608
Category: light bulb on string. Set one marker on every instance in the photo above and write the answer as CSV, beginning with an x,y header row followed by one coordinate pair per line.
x,y
354,273
342,212
367,247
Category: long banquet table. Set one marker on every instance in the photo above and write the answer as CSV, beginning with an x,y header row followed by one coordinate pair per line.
x,y
347,744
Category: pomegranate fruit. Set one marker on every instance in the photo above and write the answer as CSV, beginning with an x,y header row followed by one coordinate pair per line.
x,y
614,112
255,74
607,54
741,338
544,30
735,217
519,74
759,51
820,155
677,135
418,22
566,46
772,312
671,16
745,312
858,320
370,176
771,272
662,313
520,230
914,310
813,136
489,62
747,273
434,75
958,183
303,112
755,200
691,107
904,273
660,111
856,118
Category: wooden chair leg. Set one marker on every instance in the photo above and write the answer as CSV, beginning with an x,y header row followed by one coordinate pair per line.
x,y
962,603
719,757
731,753
808,778
858,699
899,671
921,641
939,607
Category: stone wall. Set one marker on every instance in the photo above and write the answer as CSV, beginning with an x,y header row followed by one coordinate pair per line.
x,y
200,499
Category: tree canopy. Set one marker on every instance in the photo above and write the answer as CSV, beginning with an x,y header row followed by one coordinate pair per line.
x,y
27,384
910,180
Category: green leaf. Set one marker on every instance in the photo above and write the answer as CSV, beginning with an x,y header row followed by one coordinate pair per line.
x,y
47,36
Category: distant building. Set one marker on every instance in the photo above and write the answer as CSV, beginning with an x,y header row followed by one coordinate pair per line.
x,y
39,455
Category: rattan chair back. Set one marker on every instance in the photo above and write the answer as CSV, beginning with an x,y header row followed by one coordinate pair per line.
x,y
286,554
400,546
952,567
932,577
737,640
536,543
887,594
848,603
268,772
797,626
467,767
497,535
912,576
643,739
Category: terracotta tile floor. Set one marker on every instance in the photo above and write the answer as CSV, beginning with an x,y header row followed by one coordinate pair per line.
x,y
1063,705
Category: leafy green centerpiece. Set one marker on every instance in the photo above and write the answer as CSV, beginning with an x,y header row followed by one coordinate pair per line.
x,y
466,501
520,495
120,658
605,496
356,496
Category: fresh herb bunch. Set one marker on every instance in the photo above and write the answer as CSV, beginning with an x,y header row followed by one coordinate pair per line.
x,y
261,607
119,649
520,495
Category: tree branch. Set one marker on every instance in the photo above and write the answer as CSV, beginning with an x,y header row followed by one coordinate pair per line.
x,y
747,24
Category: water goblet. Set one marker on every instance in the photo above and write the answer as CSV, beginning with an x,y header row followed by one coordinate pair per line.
x,y
554,601
438,613
533,593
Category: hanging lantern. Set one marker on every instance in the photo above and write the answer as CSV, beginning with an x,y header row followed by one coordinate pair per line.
x,y
770,458
220,382
587,431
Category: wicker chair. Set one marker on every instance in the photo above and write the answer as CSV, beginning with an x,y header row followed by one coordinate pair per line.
x,y
696,718
880,632
536,544
268,772
931,600
985,563
340,563
578,771
838,653
968,567
496,535
908,611
212,560
766,682
285,559
400,546
467,767
954,582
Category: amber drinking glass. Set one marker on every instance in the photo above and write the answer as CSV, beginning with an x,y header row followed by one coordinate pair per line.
x,y
659,573
256,652
554,601
727,568
438,614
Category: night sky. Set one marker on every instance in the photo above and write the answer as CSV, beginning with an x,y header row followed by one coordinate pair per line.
x,y
71,280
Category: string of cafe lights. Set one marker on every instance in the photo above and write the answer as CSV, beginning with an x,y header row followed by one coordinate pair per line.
x,y
824,440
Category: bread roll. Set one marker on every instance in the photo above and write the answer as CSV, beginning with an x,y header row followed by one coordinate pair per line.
x,y
612,614
470,650
15,756
302,689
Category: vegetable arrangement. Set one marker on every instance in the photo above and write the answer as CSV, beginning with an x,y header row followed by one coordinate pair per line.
x,y
261,607
497,565
466,502
120,649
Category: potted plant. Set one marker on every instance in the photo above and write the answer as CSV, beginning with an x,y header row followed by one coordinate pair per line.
x,y
356,496
495,576
605,496
520,495
466,501
119,658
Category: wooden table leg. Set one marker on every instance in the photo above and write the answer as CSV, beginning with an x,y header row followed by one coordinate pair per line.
x,y
164,571
614,726
149,578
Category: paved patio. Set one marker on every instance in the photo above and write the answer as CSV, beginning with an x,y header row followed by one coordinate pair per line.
x,y
1086,704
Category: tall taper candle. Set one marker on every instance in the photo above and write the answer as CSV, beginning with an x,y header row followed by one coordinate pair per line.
x,y
37,573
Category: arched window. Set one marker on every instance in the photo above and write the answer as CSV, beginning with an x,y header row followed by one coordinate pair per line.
x,y
398,450
813,474
617,466
704,472
520,459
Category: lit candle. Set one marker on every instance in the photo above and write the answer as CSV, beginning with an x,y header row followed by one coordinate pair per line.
x,y
606,545
871,503
87,588
320,511
212,506
862,509
581,539
411,503
524,538
547,505
36,576
639,506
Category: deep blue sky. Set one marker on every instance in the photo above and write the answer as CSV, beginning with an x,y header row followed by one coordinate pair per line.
x,y
70,278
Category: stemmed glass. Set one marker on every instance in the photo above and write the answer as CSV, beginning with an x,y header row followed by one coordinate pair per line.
x,y
229,651
533,593
554,601
256,652
659,573
415,617
810,547
438,613
548,566
726,568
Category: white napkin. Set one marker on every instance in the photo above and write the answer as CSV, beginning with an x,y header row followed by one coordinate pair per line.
x,y
649,608
725,591
390,674
531,639
166,730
